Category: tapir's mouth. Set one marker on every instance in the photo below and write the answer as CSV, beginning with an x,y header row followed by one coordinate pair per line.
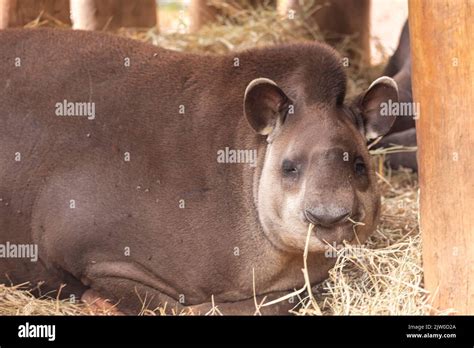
x,y
340,230
344,231
321,238
336,234
324,238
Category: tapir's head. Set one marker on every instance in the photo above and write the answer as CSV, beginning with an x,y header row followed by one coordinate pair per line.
x,y
317,167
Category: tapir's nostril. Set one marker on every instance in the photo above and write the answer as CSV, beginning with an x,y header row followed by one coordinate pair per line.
x,y
326,218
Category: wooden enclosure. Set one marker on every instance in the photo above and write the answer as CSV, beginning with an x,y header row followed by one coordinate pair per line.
x,y
441,37
90,14
16,13
340,18
203,11
443,81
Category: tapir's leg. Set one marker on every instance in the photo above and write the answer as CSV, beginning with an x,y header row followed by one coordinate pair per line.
x,y
131,287
130,284
161,303
97,304
125,283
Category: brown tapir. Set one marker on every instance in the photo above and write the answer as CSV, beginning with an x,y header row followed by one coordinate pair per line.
x,y
403,130
118,160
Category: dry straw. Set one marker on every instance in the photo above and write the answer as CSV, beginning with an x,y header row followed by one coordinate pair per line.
x,y
382,276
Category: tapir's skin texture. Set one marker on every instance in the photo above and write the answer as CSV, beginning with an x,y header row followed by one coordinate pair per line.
x,y
173,224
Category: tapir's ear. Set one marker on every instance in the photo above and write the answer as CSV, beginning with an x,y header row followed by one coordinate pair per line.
x,y
265,105
374,106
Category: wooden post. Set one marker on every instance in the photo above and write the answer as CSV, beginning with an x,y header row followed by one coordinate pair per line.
x,y
443,73
5,12
204,12
88,14
83,14
113,14
339,18
201,14
17,13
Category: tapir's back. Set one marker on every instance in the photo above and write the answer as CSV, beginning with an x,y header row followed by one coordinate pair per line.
x,y
69,94
66,96
39,68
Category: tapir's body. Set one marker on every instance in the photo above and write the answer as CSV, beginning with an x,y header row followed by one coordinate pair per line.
x,y
134,201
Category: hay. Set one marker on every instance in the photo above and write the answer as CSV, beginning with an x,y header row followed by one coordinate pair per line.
x,y
17,300
383,276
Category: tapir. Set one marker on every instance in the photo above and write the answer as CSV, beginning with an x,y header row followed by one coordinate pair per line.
x,y
129,167
403,130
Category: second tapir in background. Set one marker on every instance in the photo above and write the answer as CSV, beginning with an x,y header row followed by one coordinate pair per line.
x,y
403,130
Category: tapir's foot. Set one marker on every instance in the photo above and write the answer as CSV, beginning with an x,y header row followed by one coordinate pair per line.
x,y
98,305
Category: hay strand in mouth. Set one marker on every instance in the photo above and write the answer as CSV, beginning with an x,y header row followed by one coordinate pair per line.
x,y
306,274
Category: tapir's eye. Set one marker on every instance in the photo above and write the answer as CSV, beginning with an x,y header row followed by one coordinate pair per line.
x,y
289,168
359,166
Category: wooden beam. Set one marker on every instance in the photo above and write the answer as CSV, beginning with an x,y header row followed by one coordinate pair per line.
x,y
5,12
17,13
443,71
204,12
337,19
113,14
88,14
84,14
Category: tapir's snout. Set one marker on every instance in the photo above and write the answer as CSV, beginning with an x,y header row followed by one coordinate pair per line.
x,y
330,203
327,217
333,218
333,223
